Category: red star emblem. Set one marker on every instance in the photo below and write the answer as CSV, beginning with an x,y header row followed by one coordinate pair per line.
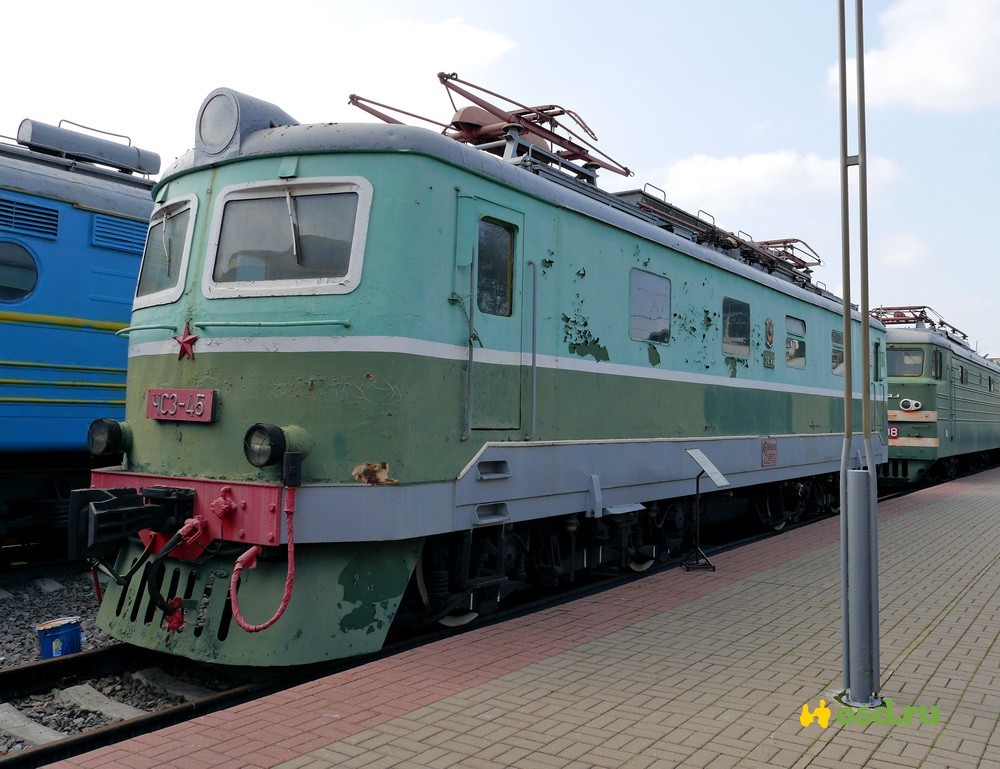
x,y
186,341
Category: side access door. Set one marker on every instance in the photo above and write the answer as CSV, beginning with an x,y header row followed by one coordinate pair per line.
x,y
489,255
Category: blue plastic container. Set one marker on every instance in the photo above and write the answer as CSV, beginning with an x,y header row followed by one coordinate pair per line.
x,y
59,637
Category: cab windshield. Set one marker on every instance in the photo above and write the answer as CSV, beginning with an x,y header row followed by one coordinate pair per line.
x,y
164,260
286,237
903,362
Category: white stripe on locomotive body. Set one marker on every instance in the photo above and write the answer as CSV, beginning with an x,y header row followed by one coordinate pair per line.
x,y
443,351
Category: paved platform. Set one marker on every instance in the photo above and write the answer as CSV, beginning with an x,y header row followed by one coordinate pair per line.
x,y
694,669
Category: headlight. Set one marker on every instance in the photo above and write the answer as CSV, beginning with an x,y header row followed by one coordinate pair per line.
x,y
264,445
106,436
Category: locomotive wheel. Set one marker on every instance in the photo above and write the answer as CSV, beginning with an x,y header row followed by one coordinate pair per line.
x,y
766,503
448,620
827,498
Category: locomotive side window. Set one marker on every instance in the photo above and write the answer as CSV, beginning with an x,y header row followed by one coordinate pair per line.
x,y
795,343
903,362
164,260
837,354
289,237
937,365
495,271
649,307
18,272
735,327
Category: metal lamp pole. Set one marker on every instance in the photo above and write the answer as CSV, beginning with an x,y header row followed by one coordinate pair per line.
x,y
858,512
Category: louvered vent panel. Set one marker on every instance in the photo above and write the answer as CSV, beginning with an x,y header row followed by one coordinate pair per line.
x,y
119,234
28,219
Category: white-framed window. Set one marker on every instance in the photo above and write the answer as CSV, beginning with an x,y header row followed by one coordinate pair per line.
x,y
286,237
167,252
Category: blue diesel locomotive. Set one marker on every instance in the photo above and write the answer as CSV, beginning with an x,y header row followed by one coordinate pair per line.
x,y
73,214
380,374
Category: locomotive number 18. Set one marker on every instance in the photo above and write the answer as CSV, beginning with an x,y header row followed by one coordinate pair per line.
x,y
172,405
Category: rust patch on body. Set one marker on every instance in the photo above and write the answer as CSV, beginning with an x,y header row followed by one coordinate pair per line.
x,y
373,473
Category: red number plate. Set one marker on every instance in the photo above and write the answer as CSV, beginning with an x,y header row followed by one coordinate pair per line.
x,y
180,405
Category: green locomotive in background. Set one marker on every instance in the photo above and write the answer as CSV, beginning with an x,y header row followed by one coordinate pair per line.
x,y
944,399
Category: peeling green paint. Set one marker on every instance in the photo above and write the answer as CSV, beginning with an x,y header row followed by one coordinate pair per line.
x,y
734,363
654,356
581,341
345,598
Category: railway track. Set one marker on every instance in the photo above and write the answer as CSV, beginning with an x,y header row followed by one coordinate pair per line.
x,y
73,681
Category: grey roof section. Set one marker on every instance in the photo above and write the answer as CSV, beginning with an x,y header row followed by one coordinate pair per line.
x,y
377,137
36,135
79,184
904,336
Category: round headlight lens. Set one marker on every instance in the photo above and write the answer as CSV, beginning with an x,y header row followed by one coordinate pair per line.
x,y
264,445
218,122
104,437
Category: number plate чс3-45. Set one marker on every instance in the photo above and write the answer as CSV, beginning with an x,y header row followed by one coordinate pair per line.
x,y
180,405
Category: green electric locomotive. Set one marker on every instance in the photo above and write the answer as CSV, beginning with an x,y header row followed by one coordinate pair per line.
x,y
944,399
379,374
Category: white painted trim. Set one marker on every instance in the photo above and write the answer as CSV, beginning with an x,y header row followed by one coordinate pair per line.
x,y
442,351
270,188
173,293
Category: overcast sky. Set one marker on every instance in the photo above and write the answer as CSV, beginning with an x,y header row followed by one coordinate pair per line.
x,y
728,105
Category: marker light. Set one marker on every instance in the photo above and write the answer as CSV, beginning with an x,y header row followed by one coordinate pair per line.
x,y
264,445
106,436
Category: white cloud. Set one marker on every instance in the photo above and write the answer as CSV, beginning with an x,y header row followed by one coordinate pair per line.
x,y
776,180
151,95
936,54
901,250
750,181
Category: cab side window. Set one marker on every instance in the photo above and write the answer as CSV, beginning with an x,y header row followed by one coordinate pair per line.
x,y
495,271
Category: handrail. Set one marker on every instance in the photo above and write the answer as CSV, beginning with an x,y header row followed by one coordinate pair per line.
x,y
534,347
272,323
152,327
472,345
